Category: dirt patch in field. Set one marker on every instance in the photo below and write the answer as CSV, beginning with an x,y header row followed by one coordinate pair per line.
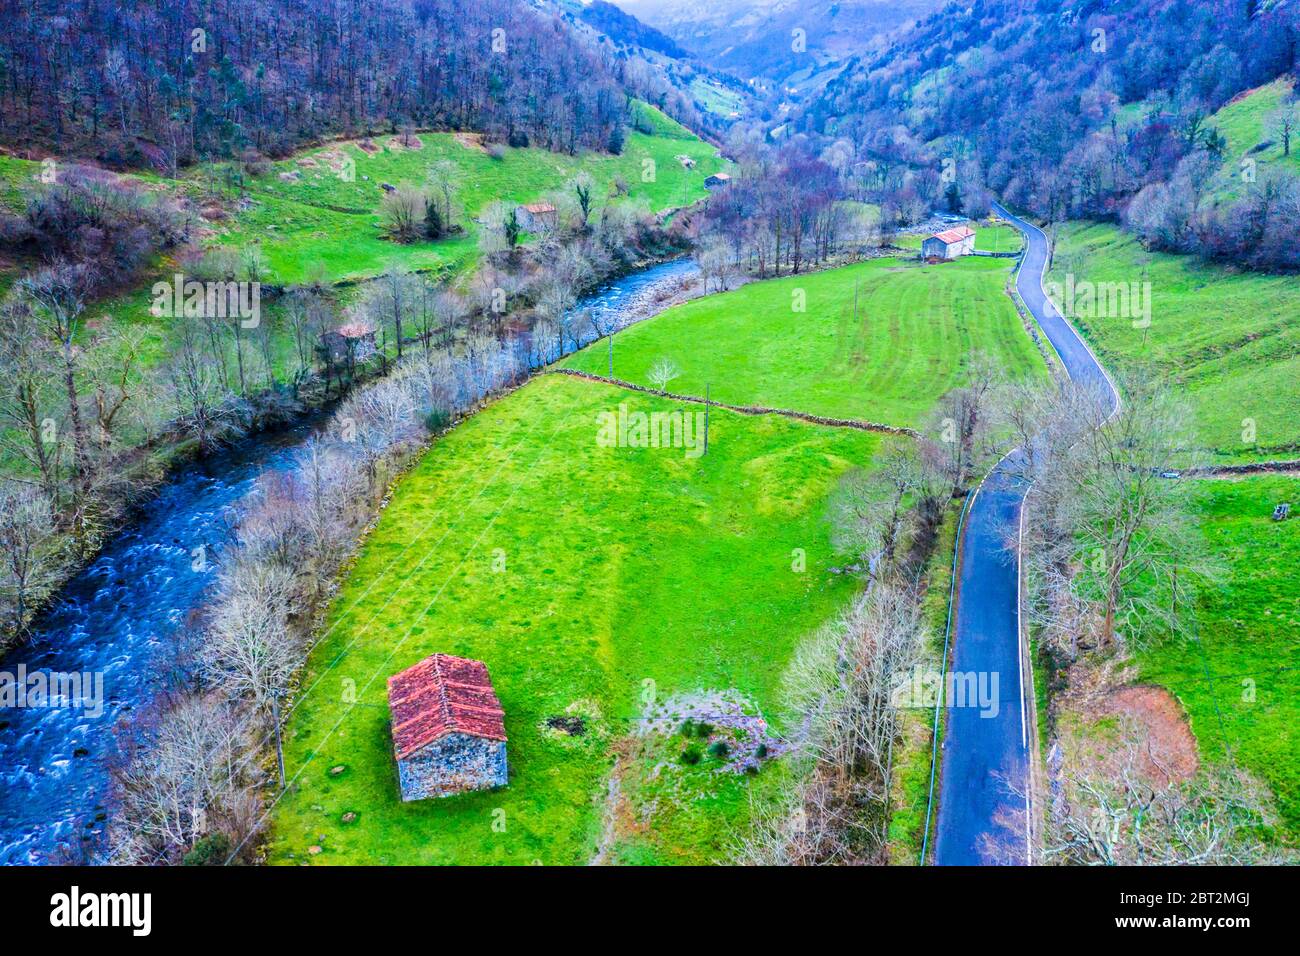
x,y
336,159
412,142
471,141
1166,746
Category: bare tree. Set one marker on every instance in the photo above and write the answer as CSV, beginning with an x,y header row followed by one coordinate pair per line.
x,y
960,424
872,510
29,413
56,302
180,778
844,682
444,178
28,563
248,650
195,394
114,371
663,371
402,213
1131,509
1116,812
1283,122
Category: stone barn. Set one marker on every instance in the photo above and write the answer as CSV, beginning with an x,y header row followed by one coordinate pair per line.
x,y
354,341
716,181
949,244
449,734
536,216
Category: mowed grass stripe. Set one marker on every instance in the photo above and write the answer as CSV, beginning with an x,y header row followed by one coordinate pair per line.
x,y
426,548
622,565
916,328
1228,340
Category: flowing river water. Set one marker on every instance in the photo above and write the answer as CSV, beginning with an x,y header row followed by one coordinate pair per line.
x,y
120,623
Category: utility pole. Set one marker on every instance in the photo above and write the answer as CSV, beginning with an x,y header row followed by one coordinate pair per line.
x,y
706,418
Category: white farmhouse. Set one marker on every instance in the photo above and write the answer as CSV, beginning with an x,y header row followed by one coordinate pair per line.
x,y
949,244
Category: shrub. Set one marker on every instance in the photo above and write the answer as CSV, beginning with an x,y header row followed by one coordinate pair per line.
x,y
211,850
254,163
691,755
403,213
99,220
436,419
719,749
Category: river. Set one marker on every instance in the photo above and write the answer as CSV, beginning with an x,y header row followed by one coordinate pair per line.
x,y
123,618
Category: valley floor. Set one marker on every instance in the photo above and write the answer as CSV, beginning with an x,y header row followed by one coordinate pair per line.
x,y
633,588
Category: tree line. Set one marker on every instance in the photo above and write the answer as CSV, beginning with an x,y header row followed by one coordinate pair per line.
x,y
144,84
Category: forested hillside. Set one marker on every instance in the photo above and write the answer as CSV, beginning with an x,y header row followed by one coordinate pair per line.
x,y
145,84
1092,109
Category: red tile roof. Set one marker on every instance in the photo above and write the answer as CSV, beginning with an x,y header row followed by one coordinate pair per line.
x,y
538,207
956,234
355,330
442,695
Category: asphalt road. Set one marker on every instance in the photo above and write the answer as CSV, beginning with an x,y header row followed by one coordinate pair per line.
x,y
982,812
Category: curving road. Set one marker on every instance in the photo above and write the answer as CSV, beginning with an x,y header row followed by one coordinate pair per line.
x,y
982,807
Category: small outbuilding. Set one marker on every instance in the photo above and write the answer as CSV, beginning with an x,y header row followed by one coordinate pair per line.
x,y
353,342
536,216
716,180
949,244
449,732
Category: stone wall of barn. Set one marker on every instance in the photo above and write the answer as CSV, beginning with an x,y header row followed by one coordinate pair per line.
x,y
454,764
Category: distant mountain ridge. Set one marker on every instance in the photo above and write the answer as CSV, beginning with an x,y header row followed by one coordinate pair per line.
x,y
756,38
625,28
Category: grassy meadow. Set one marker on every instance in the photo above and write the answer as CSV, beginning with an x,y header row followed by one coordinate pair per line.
x,y
1239,682
712,96
622,572
319,210
916,327
1228,340
1244,124
615,566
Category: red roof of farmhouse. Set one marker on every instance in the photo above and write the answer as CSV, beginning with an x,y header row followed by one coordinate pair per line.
x,y
536,207
355,330
956,234
443,695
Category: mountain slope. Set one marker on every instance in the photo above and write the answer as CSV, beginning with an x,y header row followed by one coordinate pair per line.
x,y
133,82
755,38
